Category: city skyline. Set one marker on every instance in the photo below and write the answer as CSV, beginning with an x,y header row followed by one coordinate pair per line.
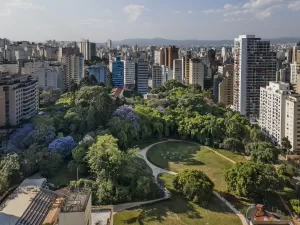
x,y
122,19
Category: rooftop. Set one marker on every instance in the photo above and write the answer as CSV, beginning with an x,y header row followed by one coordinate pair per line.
x,y
76,201
22,204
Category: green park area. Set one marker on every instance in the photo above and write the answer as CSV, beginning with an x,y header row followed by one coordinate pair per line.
x,y
178,211
178,156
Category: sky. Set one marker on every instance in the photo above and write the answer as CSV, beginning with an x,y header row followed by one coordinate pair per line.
x,y
99,20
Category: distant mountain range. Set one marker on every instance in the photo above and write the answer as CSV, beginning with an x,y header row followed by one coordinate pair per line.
x,y
161,42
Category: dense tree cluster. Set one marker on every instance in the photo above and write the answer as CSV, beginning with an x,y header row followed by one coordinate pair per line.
x,y
94,133
194,185
120,176
252,179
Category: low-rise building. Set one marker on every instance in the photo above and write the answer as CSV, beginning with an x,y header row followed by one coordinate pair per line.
x,y
76,209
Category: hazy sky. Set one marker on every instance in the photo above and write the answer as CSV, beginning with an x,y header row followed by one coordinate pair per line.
x,y
98,20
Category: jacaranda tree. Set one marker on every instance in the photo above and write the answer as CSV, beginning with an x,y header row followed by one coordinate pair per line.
x,y
63,145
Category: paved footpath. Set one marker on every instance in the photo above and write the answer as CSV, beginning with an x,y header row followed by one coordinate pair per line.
x,y
156,171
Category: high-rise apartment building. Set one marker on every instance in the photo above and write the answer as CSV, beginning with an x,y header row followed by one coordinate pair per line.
x,y
118,73
142,70
292,121
159,57
272,113
225,93
296,53
67,51
73,68
166,73
186,67
254,67
177,70
109,44
170,53
196,72
19,98
156,76
88,49
129,74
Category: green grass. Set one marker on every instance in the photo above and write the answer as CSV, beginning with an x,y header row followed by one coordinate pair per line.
x,y
178,211
231,155
141,145
178,156
63,176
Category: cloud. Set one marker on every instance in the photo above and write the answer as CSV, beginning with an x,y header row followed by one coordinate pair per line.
x,y
133,12
260,9
190,12
255,4
226,8
295,6
10,5
236,13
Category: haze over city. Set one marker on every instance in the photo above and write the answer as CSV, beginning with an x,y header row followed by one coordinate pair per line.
x,y
69,20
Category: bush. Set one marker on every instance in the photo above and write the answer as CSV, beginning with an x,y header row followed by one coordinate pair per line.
x,y
296,205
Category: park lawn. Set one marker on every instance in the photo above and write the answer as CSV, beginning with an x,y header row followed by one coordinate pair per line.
x,y
63,177
231,155
178,211
178,156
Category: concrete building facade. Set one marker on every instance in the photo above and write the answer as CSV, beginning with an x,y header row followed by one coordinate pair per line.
x,y
88,49
156,76
186,67
142,70
292,121
159,56
73,69
129,74
100,72
170,53
254,67
11,68
177,70
196,72
19,98
225,93
272,113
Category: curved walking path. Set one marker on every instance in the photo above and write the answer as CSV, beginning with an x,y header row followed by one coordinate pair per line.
x,y
157,170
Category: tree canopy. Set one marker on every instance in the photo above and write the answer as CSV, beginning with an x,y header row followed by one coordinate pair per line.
x,y
252,179
194,185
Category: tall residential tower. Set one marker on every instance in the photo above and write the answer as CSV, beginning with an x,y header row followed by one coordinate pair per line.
x,y
254,67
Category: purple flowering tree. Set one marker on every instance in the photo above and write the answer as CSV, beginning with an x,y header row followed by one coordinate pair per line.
x,y
18,138
63,145
127,113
